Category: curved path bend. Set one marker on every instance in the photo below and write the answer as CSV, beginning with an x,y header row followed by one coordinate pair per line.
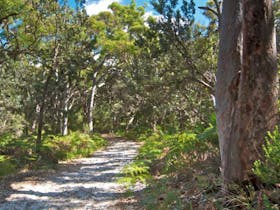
x,y
86,183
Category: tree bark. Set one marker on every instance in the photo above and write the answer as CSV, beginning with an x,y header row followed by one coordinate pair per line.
x,y
247,88
91,105
229,66
65,122
96,82
131,119
65,109
43,100
258,89
41,115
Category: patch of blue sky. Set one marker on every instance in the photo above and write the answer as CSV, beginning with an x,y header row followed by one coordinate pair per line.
x,y
96,6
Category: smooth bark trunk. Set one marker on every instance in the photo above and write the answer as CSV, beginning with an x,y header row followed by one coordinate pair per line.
x,y
65,109
130,122
65,123
91,106
96,83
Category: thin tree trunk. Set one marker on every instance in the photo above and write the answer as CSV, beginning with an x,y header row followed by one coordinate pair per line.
x,y
65,121
91,106
34,122
43,102
64,114
95,83
40,128
41,117
65,109
41,114
130,122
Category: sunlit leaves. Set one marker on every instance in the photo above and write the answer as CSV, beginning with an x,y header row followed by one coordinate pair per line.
x,y
10,9
117,31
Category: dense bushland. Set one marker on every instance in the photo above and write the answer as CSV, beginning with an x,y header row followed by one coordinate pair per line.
x,y
65,74
20,153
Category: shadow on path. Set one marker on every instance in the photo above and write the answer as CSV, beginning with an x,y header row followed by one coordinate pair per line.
x,y
87,183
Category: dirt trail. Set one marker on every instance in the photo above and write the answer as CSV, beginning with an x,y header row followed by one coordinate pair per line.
x,y
87,183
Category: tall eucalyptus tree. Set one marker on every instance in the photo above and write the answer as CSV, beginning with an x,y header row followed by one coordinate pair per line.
x,y
247,85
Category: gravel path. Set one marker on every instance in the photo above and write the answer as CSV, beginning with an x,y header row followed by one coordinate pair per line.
x,y
87,183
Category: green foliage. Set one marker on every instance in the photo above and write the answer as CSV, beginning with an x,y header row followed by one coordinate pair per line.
x,y
7,166
9,8
267,203
268,170
116,32
162,197
210,133
139,133
21,149
152,148
20,152
184,146
184,164
5,139
137,171
166,153
73,145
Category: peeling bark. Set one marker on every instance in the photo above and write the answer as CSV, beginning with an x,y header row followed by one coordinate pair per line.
x,y
229,66
258,89
247,85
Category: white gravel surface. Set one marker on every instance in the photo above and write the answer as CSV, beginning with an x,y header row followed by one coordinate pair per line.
x,y
88,183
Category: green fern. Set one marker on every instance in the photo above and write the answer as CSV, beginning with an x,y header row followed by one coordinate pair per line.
x,y
268,170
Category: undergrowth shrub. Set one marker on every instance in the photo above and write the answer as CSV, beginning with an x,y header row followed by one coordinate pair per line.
x,y
183,146
152,148
177,166
20,148
164,153
136,171
73,145
17,153
162,197
139,170
5,140
7,165
135,133
268,170
10,144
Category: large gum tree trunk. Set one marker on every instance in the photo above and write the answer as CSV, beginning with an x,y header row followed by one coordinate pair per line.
x,y
258,89
229,67
247,87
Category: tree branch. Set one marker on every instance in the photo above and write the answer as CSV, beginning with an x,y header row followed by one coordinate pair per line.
x,y
7,16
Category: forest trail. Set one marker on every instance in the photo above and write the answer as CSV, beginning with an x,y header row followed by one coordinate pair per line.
x,y
86,183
